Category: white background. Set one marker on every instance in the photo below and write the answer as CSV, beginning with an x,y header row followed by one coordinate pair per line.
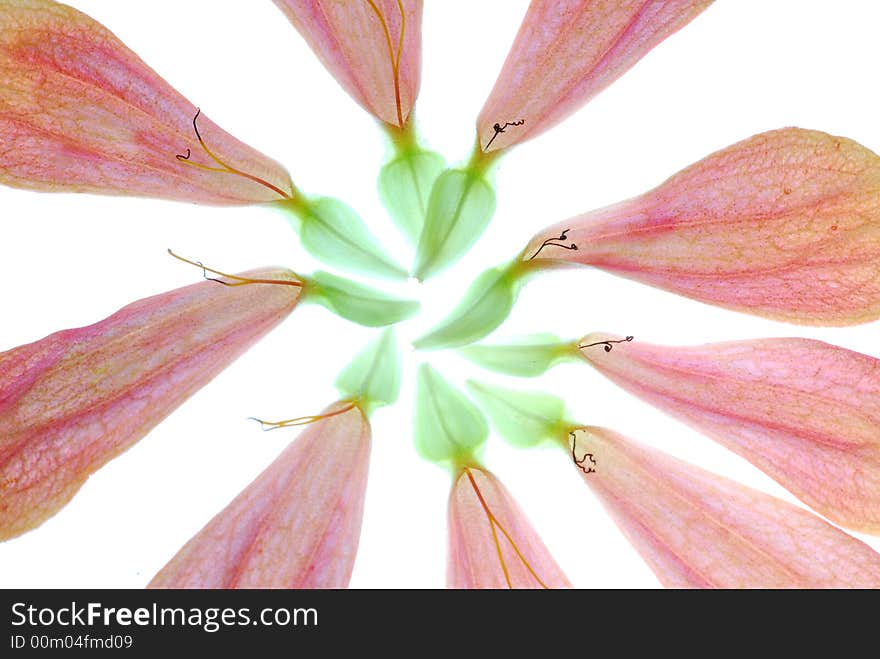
x,y
742,67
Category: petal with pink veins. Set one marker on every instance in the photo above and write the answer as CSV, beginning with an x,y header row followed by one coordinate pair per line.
x,y
372,47
297,525
491,542
74,400
80,112
565,53
696,529
785,224
805,412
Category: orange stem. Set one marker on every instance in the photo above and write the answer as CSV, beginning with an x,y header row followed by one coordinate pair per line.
x,y
238,281
223,166
493,523
302,420
395,57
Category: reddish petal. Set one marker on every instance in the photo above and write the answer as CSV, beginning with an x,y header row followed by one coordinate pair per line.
x,y
372,47
805,412
491,542
696,529
566,52
785,224
76,399
296,526
80,112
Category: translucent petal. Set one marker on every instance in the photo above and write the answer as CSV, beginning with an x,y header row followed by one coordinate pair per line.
x,y
460,207
334,233
491,542
373,48
356,302
785,224
373,376
523,418
447,428
696,529
297,525
486,305
566,52
80,112
805,412
405,185
525,356
74,400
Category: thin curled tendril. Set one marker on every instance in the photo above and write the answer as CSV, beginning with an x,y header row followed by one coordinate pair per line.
x,y
608,345
236,280
498,128
549,243
300,420
587,456
185,159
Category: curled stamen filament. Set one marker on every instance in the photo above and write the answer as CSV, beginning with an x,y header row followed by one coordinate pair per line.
x,y
608,345
498,128
549,242
185,159
237,281
300,420
495,524
580,463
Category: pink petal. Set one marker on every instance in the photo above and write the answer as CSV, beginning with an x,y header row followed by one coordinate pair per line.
x,y
296,526
566,52
74,400
80,112
372,47
805,412
785,224
696,529
501,551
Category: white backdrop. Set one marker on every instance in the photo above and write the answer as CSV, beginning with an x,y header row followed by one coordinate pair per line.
x,y
742,67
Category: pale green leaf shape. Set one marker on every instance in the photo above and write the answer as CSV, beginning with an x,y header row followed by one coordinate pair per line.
x,y
523,418
373,376
334,233
356,302
448,427
525,356
461,204
485,306
405,186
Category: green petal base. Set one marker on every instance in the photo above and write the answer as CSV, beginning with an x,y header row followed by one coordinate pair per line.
x,y
461,205
405,186
334,233
448,428
523,418
356,302
373,376
526,356
485,306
